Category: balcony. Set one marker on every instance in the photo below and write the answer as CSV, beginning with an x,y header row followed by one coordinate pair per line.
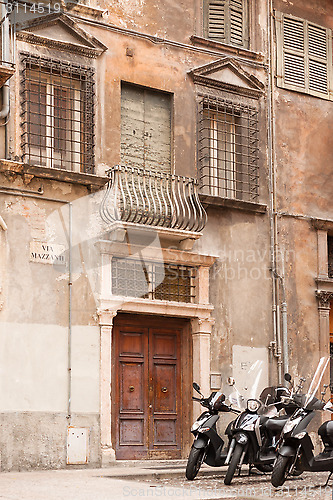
x,y
141,198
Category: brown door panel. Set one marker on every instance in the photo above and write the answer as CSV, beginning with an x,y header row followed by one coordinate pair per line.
x,y
131,391
165,378
165,387
147,388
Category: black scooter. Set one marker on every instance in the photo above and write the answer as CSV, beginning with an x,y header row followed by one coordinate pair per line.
x,y
296,448
208,445
253,435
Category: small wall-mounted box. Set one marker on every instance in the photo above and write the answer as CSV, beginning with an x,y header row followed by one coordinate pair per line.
x,y
77,445
215,381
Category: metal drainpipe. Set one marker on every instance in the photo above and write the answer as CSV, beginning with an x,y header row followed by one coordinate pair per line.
x,y
30,194
284,324
276,344
5,56
70,285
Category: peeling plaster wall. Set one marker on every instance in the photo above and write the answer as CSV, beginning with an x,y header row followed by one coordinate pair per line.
x,y
240,284
304,158
34,340
34,315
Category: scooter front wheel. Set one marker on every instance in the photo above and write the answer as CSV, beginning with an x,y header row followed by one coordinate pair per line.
x,y
194,462
280,470
235,459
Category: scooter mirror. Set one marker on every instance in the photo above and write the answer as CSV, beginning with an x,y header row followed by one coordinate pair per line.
x,y
287,377
231,381
196,387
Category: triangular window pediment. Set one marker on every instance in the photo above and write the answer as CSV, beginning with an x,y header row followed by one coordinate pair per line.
x,y
228,75
60,31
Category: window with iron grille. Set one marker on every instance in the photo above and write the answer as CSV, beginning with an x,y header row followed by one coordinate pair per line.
x,y
304,59
228,149
226,21
57,114
330,256
155,281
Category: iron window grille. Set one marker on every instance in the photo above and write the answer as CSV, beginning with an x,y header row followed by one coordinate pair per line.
x,y
228,149
154,281
330,256
57,101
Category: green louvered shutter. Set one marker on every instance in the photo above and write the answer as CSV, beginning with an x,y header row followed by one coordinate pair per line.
x,y
216,20
303,54
226,21
237,22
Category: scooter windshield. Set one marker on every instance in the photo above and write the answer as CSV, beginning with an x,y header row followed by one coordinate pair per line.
x,y
313,392
248,384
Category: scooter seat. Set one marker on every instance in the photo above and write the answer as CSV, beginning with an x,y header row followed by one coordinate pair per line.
x,y
275,425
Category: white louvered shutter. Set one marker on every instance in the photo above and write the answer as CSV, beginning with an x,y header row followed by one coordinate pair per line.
x,y
294,55
304,52
318,59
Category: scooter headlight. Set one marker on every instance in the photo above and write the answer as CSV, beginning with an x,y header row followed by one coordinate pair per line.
x,y
195,426
253,405
300,435
241,438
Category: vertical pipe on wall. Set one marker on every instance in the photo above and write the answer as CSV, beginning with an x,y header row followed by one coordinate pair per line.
x,y
276,344
70,284
5,57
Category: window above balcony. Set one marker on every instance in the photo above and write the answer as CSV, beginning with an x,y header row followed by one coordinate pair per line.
x,y
145,128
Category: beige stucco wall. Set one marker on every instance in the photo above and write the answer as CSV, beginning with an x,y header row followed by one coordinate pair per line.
x,y
34,314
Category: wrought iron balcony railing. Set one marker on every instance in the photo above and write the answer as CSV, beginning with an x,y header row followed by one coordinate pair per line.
x,y
150,198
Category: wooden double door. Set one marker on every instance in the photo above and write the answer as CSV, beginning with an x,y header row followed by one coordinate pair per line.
x,y
147,390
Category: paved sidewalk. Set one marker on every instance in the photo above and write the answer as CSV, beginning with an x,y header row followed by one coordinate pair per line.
x,y
122,481
153,480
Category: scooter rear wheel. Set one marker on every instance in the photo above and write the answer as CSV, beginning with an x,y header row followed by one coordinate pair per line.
x,y
280,470
194,462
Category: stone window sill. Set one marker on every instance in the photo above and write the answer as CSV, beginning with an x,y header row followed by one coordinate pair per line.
x,y
247,206
230,49
30,171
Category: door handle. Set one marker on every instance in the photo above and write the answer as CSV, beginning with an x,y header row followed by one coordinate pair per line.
x,y
150,406
164,389
131,388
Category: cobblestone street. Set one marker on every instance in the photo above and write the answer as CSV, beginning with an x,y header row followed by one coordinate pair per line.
x,y
309,485
158,481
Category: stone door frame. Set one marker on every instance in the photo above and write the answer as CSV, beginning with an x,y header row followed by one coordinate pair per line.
x,y
199,314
